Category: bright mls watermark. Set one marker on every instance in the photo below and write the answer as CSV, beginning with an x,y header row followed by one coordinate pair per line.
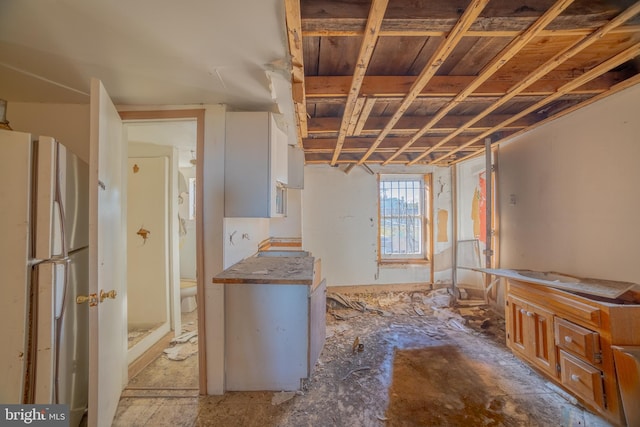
x,y
34,415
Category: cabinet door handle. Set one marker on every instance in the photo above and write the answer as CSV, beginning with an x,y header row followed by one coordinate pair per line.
x,y
568,339
529,314
523,311
575,377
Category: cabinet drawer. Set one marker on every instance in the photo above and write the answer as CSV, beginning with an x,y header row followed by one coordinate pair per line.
x,y
578,340
582,379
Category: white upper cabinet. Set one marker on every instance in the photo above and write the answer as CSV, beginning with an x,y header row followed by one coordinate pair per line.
x,y
255,167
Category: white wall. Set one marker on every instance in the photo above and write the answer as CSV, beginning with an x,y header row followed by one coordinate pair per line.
x,y
213,240
187,243
340,226
576,184
290,225
242,237
67,123
470,247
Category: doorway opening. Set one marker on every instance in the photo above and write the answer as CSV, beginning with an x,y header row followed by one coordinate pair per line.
x,y
163,249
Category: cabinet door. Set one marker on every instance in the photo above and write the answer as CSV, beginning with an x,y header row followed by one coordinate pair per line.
x,y
516,313
543,350
530,333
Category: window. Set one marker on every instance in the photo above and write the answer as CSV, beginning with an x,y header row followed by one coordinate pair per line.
x,y
404,212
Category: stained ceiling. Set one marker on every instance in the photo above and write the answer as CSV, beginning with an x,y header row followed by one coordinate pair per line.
x,y
435,82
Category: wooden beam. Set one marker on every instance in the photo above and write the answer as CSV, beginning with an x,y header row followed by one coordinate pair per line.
x,y
364,115
445,48
319,87
413,123
415,30
549,65
339,18
376,13
492,67
615,61
294,36
355,116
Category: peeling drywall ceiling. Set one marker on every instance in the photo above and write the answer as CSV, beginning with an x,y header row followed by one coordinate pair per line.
x,y
146,52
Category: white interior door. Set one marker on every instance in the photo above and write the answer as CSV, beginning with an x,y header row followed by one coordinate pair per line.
x,y
107,253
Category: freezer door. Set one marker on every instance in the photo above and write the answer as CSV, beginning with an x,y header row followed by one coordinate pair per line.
x,y
62,201
15,193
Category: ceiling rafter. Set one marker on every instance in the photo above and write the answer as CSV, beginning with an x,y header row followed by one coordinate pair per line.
x,y
410,124
421,32
491,68
318,88
435,62
364,115
618,59
429,94
549,65
374,22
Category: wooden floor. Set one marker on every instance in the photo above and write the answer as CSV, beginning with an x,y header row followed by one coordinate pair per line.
x,y
419,367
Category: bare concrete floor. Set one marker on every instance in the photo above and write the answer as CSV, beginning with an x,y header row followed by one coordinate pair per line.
x,y
419,366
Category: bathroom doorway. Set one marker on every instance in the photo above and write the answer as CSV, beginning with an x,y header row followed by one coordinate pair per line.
x,y
163,250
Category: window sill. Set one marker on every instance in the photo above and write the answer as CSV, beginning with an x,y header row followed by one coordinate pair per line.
x,y
400,262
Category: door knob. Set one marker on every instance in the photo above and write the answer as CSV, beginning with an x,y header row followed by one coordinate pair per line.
x,y
92,299
104,295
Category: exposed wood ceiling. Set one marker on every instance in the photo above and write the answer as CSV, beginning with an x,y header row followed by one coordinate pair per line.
x,y
427,82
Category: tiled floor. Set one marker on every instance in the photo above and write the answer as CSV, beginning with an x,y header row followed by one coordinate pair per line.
x,y
419,367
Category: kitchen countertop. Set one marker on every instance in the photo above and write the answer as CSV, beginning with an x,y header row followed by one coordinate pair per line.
x,y
603,288
269,270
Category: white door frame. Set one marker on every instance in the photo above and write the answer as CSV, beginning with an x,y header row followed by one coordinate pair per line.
x,y
198,115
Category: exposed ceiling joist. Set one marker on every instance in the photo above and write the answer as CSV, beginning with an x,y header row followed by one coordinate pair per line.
x,y
490,69
439,78
350,116
437,59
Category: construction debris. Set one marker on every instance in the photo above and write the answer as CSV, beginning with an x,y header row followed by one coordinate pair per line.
x,y
364,368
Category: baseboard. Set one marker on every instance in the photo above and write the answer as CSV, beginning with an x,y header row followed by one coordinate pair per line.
x,y
374,289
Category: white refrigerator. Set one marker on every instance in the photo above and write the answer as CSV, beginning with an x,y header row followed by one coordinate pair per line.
x,y
44,217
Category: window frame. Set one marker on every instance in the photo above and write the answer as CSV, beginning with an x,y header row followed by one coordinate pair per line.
x,y
426,223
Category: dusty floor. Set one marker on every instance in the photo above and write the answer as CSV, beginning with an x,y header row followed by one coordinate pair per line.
x,y
420,365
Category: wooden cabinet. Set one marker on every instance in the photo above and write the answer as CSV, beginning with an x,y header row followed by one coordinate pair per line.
x,y
256,167
569,338
274,322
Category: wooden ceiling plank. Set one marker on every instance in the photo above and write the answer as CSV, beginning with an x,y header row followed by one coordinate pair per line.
x,y
491,68
374,22
447,45
549,65
294,36
615,61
